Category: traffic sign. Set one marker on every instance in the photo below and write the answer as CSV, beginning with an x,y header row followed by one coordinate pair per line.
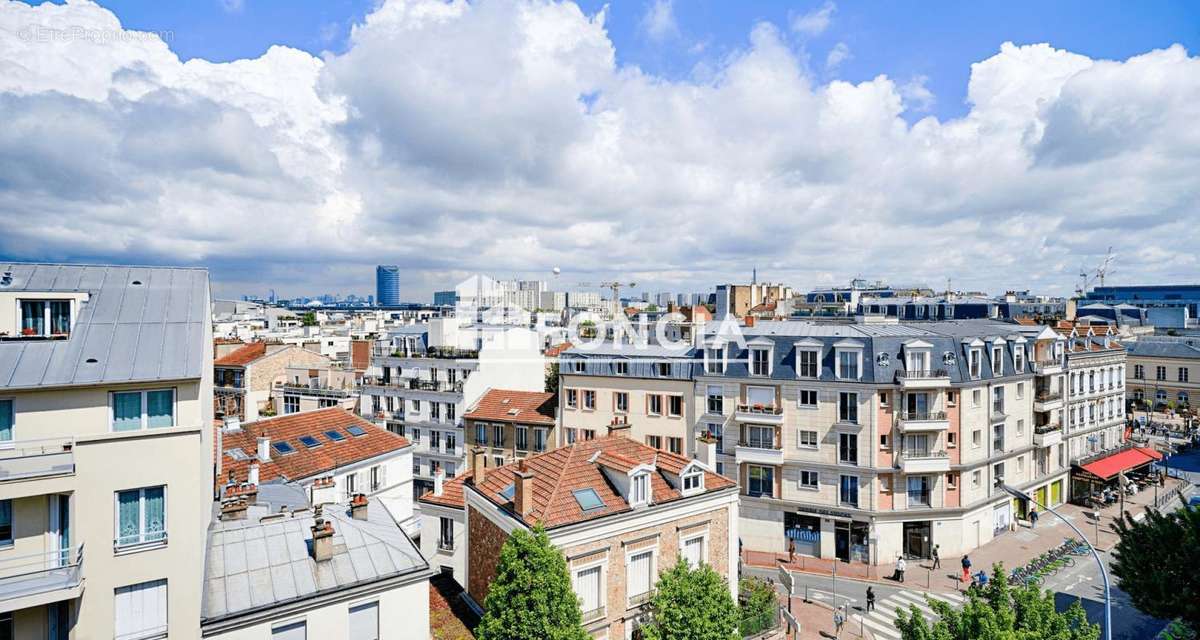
x,y
785,578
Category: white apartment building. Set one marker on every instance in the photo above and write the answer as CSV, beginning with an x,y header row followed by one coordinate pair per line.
x,y
424,378
106,416
865,442
1095,398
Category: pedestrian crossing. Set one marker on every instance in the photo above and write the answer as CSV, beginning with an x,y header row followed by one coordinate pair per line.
x,y
882,621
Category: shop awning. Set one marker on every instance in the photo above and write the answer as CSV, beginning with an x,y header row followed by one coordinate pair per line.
x,y
1109,466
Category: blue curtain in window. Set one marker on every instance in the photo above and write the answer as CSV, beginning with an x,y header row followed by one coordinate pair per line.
x,y
156,523
127,411
6,522
60,317
159,409
128,517
33,317
6,420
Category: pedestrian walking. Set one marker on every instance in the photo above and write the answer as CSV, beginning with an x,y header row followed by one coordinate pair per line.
x,y
870,599
937,558
966,567
901,567
1033,518
839,619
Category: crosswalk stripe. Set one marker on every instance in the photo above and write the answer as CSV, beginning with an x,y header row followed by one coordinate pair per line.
x,y
906,599
950,598
880,629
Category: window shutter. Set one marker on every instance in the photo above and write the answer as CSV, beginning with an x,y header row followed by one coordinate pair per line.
x,y
141,609
587,585
693,551
364,621
293,631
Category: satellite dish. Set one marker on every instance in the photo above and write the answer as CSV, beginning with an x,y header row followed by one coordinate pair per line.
x,y
556,271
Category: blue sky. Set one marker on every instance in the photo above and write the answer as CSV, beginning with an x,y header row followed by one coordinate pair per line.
x,y
816,141
903,40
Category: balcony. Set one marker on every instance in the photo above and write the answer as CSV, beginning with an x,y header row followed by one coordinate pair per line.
x,y
309,390
1047,435
439,353
923,379
40,579
759,414
758,453
28,459
1047,400
923,462
1046,367
593,615
918,421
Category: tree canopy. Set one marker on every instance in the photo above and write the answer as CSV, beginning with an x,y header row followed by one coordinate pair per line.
x,y
998,611
692,604
531,597
1156,563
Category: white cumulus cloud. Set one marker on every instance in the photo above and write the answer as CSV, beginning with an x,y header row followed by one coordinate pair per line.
x,y
815,22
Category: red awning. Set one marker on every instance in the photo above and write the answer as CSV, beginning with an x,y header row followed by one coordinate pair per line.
x,y
1109,466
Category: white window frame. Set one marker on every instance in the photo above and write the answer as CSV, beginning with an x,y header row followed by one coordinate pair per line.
x,y
145,633
753,361
142,542
809,486
670,412
653,571
696,475
816,397
640,489
618,396
601,591
358,606
837,361
801,444
712,363
816,354
112,408
685,539
572,400
589,406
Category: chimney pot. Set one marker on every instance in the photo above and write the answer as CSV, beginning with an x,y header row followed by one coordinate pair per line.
x,y
358,506
523,490
252,476
322,539
264,448
439,480
478,465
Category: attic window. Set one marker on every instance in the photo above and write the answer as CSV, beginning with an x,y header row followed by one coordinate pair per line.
x,y
237,454
513,412
509,492
588,499
504,401
310,442
283,448
639,492
693,481
334,436
356,430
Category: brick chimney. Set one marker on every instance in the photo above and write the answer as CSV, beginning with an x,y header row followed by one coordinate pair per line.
x,y
358,506
324,491
322,538
264,448
619,427
234,509
439,481
523,490
478,465
749,320
706,450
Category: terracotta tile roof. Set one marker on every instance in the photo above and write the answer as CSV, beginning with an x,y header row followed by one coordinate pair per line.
x,y
242,356
305,462
553,352
452,493
558,473
504,405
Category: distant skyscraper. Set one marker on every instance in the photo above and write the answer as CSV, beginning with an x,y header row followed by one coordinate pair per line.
x,y
387,284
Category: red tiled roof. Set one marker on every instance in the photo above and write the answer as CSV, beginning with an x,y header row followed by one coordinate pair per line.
x,y
553,352
305,462
1110,466
557,473
452,493
242,356
505,405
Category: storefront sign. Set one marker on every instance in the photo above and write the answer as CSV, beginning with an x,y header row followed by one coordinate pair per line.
x,y
827,512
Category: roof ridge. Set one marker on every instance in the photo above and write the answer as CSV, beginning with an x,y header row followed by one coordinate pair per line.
x,y
558,480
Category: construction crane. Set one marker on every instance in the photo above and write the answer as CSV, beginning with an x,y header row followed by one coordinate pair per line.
x,y
1086,278
613,286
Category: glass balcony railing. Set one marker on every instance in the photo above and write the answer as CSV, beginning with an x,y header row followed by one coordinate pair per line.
x,y
28,575
24,459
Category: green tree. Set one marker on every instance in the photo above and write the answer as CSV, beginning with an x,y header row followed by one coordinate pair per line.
x,y
552,378
1156,563
692,604
309,319
998,611
531,597
757,607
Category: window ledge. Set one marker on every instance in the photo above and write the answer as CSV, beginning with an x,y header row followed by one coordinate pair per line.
x,y
138,547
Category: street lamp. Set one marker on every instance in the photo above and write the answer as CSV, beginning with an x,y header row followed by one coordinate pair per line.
x,y
1016,493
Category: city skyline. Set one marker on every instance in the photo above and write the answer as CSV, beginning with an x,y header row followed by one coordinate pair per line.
x,y
674,146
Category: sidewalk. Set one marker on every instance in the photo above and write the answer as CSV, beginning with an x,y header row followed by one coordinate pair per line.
x,y
1013,548
816,622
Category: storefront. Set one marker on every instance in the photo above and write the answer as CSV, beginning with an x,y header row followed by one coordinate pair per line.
x,y
804,533
918,539
850,541
1001,517
1092,476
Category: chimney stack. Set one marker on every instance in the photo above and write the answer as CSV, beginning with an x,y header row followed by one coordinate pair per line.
x,y
749,320
264,448
706,450
324,491
439,480
232,423
478,465
322,539
619,427
523,490
358,506
234,509
252,475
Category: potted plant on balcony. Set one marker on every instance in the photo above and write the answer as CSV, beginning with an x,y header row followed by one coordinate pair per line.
x,y
28,331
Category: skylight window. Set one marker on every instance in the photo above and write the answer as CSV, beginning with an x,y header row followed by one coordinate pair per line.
x,y
237,454
588,499
334,436
309,442
283,448
509,492
356,430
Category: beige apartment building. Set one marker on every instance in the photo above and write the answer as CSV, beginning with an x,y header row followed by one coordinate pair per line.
x,y
246,375
649,388
865,442
1095,392
308,388
106,410
619,511
510,425
1163,370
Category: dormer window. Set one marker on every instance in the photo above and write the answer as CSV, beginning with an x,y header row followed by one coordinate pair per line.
x,y
693,481
976,356
806,363
849,364
760,361
45,318
577,366
997,360
622,368
639,493
714,360
1019,358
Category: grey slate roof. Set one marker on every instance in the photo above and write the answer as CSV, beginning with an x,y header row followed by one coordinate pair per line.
x,y
1152,348
252,566
134,332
